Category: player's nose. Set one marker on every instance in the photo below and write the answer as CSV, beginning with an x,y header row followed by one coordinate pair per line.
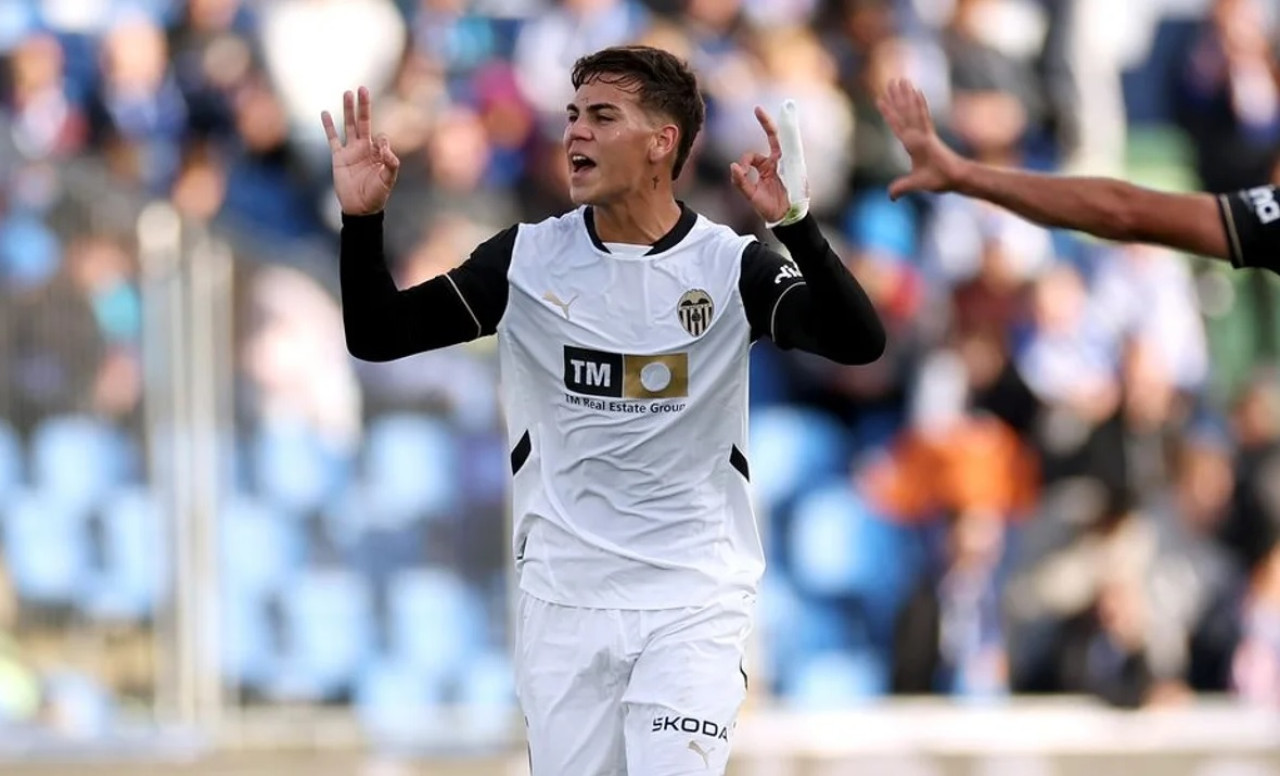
x,y
576,131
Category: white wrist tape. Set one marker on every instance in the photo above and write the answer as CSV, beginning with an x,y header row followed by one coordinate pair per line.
x,y
791,168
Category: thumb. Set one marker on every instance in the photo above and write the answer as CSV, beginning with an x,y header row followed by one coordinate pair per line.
x,y
905,185
739,176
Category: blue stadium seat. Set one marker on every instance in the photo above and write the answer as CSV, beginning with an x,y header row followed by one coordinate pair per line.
x,y
260,547
136,570
249,653
839,547
434,621
11,467
834,680
46,548
411,469
797,626
78,459
295,469
329,626
393,701
488,680
792,449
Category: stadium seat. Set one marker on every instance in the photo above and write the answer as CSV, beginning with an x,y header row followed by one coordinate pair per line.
x,y
796,626
393,701
792,449
840,548
46,548
136,571
249,653
833,680
329,632
295,469
11,467
260,547
411,468
29,251
78,459
434,621
486,692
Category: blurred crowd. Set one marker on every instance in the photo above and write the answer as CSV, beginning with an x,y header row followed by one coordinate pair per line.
x,y
1043,487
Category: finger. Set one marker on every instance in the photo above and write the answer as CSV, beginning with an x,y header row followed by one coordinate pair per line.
x,y
390,162
349,115
890,115
330,132
922,109
363,113
770,131
753,159
902,100
904,185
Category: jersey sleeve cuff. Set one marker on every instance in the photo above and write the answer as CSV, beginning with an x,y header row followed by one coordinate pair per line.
x,y
1231,229
803,239
362,223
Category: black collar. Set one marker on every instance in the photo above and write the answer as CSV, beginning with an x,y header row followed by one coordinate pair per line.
x,y
678,232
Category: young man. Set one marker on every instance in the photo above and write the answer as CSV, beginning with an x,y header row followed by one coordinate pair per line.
x,y
623,328
1242,227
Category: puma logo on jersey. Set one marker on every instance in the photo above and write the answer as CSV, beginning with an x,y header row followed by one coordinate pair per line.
x,y
787,272
551,297
1264,204
703,753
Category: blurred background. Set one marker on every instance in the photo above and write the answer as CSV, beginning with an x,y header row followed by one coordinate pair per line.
x,y
1040,536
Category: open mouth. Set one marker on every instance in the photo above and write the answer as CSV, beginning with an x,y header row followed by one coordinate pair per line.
x,y
580,162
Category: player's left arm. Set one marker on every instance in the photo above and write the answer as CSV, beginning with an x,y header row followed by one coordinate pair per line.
x,y
814,304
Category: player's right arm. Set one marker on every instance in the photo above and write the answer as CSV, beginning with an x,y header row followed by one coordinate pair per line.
x,y
1243,227
382,322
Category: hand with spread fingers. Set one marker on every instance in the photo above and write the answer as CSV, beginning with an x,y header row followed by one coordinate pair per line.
x,y
364,167
934,166
765,191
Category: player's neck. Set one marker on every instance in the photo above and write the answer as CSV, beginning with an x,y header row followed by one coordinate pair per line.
x,y
642,218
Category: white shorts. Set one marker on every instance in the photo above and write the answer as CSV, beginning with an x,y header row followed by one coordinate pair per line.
x,y
609,692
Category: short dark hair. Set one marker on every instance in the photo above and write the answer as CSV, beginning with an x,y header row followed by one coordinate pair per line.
x,y
664,84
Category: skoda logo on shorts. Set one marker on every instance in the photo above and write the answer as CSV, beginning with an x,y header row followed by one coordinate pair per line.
x,y
695,310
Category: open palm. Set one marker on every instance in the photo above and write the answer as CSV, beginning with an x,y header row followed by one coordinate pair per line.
x,y
934,166
364,168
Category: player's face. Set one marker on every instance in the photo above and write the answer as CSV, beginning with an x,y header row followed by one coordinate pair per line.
x,y
611,143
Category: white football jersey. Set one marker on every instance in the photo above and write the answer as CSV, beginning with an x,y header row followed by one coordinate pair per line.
x,y
624,380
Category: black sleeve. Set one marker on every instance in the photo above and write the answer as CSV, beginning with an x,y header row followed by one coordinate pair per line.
x,y
383,323
813,304
1251,218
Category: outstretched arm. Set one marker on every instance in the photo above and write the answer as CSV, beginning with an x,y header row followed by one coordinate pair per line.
x,y
1105,207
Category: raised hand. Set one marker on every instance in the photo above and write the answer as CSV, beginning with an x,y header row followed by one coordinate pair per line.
x,y
364,168
934,166
766,193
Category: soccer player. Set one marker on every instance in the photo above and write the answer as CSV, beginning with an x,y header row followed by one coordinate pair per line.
x,y
1242,227
623,330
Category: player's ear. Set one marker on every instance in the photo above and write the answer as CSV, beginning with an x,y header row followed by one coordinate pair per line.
x,y
663,143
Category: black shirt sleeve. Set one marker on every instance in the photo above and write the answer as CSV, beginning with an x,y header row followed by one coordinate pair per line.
x,y
1251,219
811,303
383,323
